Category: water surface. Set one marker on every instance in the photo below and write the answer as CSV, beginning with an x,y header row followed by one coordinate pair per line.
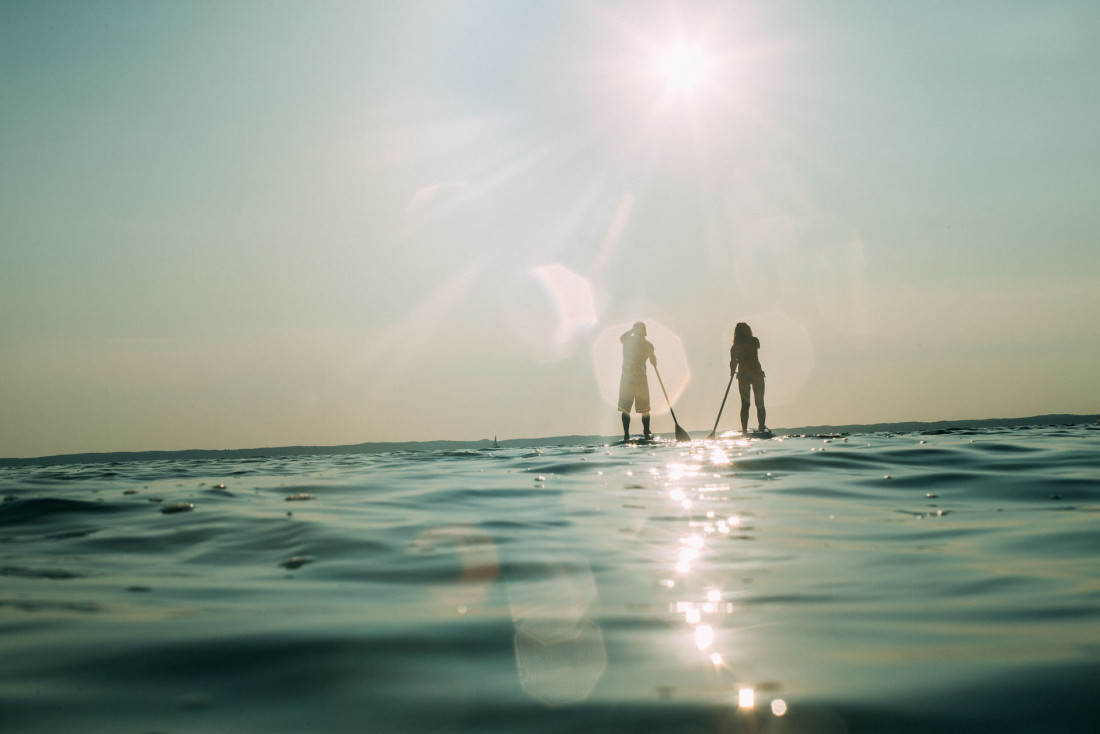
x,y
876,582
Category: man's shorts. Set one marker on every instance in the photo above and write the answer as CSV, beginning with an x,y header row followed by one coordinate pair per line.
x,y
634,391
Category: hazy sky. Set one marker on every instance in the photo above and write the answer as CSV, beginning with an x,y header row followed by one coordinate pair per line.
x,y
237,224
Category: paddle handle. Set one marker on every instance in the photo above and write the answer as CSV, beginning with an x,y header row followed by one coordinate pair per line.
x,y
681,434
662,383
728,386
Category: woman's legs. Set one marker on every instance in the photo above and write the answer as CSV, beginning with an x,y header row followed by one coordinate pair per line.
x,y
743,387
758,394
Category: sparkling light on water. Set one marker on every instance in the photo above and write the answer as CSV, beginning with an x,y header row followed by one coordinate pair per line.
x,y
704,611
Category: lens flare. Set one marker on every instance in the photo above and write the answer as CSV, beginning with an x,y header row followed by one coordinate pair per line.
x,y
549,308
607,353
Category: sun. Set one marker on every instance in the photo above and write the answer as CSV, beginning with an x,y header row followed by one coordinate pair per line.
x,y
684,67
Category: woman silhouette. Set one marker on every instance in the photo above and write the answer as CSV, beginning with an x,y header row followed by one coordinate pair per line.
x,y
745,363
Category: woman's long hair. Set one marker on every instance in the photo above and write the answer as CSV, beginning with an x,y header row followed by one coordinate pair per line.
x,y
742,333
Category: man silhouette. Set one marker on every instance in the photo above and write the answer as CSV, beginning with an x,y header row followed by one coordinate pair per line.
x,y
633,386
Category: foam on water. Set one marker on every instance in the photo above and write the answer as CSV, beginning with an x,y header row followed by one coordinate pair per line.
x,y
916,582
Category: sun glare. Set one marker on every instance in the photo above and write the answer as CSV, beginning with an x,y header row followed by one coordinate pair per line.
x,y
684,67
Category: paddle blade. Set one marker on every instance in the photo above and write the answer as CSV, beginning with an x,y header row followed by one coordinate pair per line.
x,y
681,434
711,436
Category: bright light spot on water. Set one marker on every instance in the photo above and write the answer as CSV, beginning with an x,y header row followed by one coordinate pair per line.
x,y
676,495
704,636
779,707
716,659
679,471
746,698
692,616
718,457
686,504
714,595
683,567
734,520
689,554
693,540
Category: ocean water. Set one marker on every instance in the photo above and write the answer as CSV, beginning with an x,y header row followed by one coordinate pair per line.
x,y
942,582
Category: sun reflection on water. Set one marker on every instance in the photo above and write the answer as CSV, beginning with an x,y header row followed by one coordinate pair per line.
x,y
704,636
705,605
719,458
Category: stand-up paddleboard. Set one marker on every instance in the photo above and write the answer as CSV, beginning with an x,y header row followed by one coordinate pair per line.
x,y
643,441
747,434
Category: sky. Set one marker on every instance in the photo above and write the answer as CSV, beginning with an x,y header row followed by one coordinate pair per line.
x,y
246,224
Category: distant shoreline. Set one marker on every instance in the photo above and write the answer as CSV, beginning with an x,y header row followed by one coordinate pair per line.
x,y
575,440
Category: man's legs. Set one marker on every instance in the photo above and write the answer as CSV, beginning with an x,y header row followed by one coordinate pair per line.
x,y
645,425
626,426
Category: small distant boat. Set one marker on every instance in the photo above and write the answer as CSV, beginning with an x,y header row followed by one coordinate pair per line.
x,y
495,444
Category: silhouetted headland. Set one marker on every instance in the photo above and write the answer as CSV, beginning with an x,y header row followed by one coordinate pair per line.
x,y
575,440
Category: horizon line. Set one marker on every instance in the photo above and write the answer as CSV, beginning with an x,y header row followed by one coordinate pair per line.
x,y
436,444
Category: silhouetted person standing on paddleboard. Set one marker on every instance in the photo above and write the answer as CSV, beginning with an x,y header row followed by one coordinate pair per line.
x,y
634,387
745,363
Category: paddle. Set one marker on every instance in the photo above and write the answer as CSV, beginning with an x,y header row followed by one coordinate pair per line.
x,y
681,434
712,436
